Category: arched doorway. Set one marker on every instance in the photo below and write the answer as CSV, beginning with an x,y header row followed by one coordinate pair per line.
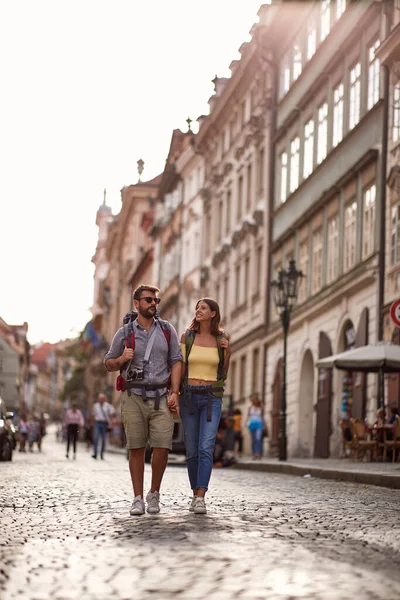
x,y
305,407
276,407
393,379
323,428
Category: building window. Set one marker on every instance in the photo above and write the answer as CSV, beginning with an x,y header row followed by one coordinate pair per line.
x,y
297,60
228,212
316,283
285,77
311,41
395,237
261,159
322,132
373,75
243,377
350,225
355,87
308,148
224,308
220,219
368,221
294,163
232,372
207,234
258,276
340,8
246,277
249,186
337,134
237,285
333,249
396,112
239,197
325,19
303,265
283,179
255,370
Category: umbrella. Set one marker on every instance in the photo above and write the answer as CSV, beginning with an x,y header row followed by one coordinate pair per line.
x,y
372,358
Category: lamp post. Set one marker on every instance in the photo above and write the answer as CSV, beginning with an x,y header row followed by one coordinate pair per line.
x,y
285,290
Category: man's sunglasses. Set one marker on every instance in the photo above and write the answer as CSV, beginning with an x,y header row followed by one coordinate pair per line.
x,y
150,300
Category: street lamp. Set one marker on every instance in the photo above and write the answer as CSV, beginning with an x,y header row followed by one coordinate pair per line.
x,y
285,290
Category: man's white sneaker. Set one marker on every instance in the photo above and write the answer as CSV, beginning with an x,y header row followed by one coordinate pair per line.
x,y
137,507
191,507
199,506
153,503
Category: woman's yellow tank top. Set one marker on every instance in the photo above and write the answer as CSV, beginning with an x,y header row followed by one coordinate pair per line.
x,y
203,363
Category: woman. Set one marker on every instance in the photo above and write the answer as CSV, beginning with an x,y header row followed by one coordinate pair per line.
x,y
73,420
255,424
206,352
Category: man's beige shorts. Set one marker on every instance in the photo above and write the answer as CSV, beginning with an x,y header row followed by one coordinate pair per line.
x,y
142,423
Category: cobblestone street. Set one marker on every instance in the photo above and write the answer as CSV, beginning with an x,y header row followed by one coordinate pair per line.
x,y
66,533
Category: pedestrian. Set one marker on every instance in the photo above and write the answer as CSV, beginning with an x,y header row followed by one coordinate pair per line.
x,y
237,430
255,424
34,433
73,420
206,353
146,410
102,412
22,432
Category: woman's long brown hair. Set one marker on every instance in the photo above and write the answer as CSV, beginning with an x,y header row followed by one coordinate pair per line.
x,y
215,328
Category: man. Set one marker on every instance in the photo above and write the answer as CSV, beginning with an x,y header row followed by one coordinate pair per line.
x,y
145,408
102,412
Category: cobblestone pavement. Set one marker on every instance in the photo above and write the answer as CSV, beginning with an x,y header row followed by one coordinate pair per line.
x,y
66,533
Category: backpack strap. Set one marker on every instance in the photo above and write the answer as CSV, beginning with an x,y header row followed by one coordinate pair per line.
x,y
166,329
221,353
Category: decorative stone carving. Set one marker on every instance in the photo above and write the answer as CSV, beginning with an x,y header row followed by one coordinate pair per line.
x,y
248,140
239,152
204,275
258,216
395,68
205,194
228,168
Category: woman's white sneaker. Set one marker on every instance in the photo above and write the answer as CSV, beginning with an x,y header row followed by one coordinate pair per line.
x,y
199,506
191,507
137,507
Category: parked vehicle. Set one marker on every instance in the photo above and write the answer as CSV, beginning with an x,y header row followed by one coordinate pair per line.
x,y
6,433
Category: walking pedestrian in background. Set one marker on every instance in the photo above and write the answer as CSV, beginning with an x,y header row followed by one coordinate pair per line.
x,y
237,430
102,412
22,432
145,409
206,353
255,424
72,421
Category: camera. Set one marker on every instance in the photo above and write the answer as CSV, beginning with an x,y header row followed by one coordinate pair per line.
x,y
134,374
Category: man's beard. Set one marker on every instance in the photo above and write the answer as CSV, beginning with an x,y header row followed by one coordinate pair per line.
x,y
147,313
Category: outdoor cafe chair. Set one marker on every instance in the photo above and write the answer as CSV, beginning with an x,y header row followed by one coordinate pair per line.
x,y
394,443
362,445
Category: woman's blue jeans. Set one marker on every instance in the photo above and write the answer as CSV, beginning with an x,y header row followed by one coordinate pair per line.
x,y
256,441
199,436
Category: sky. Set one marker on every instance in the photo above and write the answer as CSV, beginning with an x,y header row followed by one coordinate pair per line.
x,y
88,88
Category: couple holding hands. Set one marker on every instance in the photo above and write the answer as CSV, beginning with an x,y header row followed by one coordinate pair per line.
x,y
159,382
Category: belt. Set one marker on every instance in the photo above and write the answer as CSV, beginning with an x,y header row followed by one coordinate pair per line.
x,y
202,391
147,387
